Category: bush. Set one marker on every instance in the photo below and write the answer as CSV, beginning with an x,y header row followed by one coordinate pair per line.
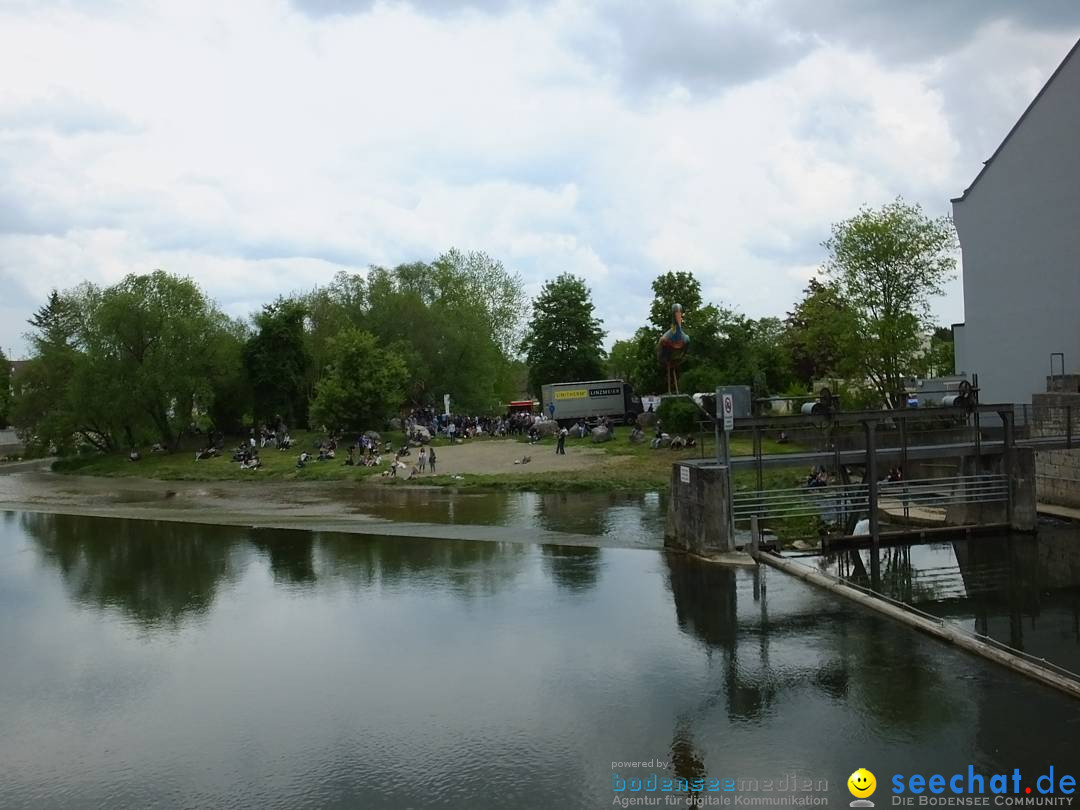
x,y
678,415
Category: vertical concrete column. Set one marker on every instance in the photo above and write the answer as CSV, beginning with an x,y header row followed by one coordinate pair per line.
x,y
699,508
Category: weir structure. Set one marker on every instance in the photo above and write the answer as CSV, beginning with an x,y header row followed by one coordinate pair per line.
x,y
868,477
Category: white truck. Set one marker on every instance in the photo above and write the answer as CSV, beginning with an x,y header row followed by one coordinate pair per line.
x,y
589,401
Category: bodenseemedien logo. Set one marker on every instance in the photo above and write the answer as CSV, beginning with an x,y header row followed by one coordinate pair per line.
x,y
862,785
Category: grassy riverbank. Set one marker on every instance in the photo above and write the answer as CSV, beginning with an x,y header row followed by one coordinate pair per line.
x,y
489,464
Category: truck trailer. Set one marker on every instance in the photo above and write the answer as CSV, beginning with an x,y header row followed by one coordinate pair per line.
x,y
590,401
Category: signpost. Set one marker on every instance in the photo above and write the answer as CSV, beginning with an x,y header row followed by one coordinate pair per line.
x,y
725,410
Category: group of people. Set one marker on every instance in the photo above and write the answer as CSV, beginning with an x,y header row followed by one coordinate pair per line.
x,y
818,477
458,428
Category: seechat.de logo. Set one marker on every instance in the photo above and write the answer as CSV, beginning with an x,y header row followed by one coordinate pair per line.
x,y
862,785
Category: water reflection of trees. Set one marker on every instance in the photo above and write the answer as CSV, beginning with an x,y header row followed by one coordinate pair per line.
x,y
162,573
575,513
572,568
464,567
289,553
157,573
435,505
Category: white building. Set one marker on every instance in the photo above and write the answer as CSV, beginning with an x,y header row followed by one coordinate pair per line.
x,y
1019,228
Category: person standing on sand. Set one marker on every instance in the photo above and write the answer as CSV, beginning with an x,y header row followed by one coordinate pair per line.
x,y
560,445
431,460
421,459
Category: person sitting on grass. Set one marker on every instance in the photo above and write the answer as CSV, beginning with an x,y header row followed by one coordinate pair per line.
x,y
302,460
134,455
252,463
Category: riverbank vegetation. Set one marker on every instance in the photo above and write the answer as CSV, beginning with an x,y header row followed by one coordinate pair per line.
x,y
152,360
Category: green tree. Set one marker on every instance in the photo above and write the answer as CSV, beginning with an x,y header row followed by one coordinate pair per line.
x,y
278,363
820,333
5,389
563,339
678,287
129,362
155,334
362,387
939,358
621,360
886,265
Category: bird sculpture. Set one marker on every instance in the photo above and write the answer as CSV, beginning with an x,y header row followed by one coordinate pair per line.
x,y
672,348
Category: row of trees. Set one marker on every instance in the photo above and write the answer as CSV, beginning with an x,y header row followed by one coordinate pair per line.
x,y
135,361
144,359
865,319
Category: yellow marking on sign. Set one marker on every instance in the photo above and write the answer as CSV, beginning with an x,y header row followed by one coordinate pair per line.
x,y
577,393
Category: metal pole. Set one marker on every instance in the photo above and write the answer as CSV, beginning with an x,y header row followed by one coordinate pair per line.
x,y
872,492
757,456
719,457
730,488
1006,421
903,447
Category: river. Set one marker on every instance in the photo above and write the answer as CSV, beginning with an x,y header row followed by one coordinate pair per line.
x,y
174,664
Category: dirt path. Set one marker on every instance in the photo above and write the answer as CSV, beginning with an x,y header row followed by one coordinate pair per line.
x,y
494,457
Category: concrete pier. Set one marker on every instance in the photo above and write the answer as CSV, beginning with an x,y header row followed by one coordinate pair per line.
x,y
698,515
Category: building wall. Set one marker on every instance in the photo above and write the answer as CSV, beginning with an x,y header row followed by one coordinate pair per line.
x,y
1057,471
1019,228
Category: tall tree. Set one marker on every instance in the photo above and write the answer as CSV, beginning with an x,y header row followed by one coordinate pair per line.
x,y
678,287
820,334
277,362
5,389
563,338
363,386
886,265
130,362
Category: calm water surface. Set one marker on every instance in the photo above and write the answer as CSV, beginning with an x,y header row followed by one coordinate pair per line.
x,y
175,665
1021,590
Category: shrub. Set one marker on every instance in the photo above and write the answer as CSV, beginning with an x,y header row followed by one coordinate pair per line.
x,y
678,415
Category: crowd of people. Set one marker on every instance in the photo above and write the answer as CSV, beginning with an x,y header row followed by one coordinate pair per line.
x,y
420,427
421,424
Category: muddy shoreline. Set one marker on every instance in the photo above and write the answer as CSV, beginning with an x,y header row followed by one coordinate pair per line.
x,y
337,506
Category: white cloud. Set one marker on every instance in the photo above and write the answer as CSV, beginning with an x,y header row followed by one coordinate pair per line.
x,y
259,148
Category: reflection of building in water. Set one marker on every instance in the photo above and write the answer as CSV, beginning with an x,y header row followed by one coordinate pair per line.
x,y
1020,590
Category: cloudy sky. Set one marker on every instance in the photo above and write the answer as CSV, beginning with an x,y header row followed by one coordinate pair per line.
x,y
261,145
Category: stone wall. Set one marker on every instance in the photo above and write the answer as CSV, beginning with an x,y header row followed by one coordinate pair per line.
x,y
1022,487
1057,472
697,515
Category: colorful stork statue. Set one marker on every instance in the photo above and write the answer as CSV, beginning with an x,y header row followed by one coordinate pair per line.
x,y
672,349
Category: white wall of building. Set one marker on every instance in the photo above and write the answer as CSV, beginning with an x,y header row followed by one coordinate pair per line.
x,y
1019,228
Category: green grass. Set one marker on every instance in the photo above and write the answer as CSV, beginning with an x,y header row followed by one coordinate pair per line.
x,y
627,467
181,465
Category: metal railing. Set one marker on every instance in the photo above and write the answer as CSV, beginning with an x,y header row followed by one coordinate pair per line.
x,y
839,502
805,501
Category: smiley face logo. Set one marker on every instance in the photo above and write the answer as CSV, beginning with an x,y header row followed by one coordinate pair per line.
x,y
862,784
